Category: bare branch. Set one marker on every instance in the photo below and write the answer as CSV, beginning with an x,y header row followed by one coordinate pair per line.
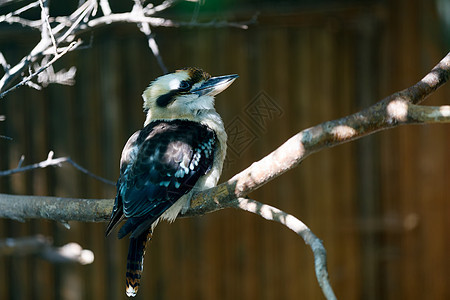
x,y
50,161
33,85
157,22
88,8
46,31
125,18
4,64
21,160
150,9
21,21
42,246
84,19
274,214
23,9
54,208
73,45
218,24
12,16
145,29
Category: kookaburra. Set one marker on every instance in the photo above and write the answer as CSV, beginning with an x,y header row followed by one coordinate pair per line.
x,y
180,150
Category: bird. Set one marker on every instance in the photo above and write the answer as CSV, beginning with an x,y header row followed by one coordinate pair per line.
x,y
179,151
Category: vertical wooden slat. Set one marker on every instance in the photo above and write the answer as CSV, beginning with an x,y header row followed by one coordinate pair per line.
x,y
368,200
405,281
246,231
41,271
301,98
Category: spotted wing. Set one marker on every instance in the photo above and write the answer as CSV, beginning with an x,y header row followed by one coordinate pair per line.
x,y
171,157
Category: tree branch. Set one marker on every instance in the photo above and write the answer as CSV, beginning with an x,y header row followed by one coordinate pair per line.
x,y
42,246
46,31
274,214
397,109
145,29
20,207
50,161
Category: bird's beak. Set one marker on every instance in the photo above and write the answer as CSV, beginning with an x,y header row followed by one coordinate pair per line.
x,y
214,85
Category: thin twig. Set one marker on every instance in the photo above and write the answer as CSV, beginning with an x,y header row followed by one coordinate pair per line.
x,y
46,31
4,64
24,9
88,8
21,160
50,161
145,29
150,9
33,24
85,171
41,69
217,24
19,11
66,29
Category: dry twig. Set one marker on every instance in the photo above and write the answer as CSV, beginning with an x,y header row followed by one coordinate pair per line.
x,y
50,161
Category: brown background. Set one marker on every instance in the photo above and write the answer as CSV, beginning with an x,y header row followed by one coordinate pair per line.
x,y
381,204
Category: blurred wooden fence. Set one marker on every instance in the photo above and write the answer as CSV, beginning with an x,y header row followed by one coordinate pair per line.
x,y
381,205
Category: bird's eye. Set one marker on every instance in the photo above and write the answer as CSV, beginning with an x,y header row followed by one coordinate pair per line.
x,y
184,85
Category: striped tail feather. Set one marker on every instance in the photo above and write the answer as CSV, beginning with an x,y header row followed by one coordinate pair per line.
x,y
135,262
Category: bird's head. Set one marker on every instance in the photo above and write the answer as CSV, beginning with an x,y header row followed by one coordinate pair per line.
x,y
184,94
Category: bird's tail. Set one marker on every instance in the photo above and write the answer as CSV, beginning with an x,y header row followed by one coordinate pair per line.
x,y
135,262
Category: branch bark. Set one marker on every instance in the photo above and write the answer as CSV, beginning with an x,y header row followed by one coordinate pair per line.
x,y
42,246
21,207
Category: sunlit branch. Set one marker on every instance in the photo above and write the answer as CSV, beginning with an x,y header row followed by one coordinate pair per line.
x,y
274,214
